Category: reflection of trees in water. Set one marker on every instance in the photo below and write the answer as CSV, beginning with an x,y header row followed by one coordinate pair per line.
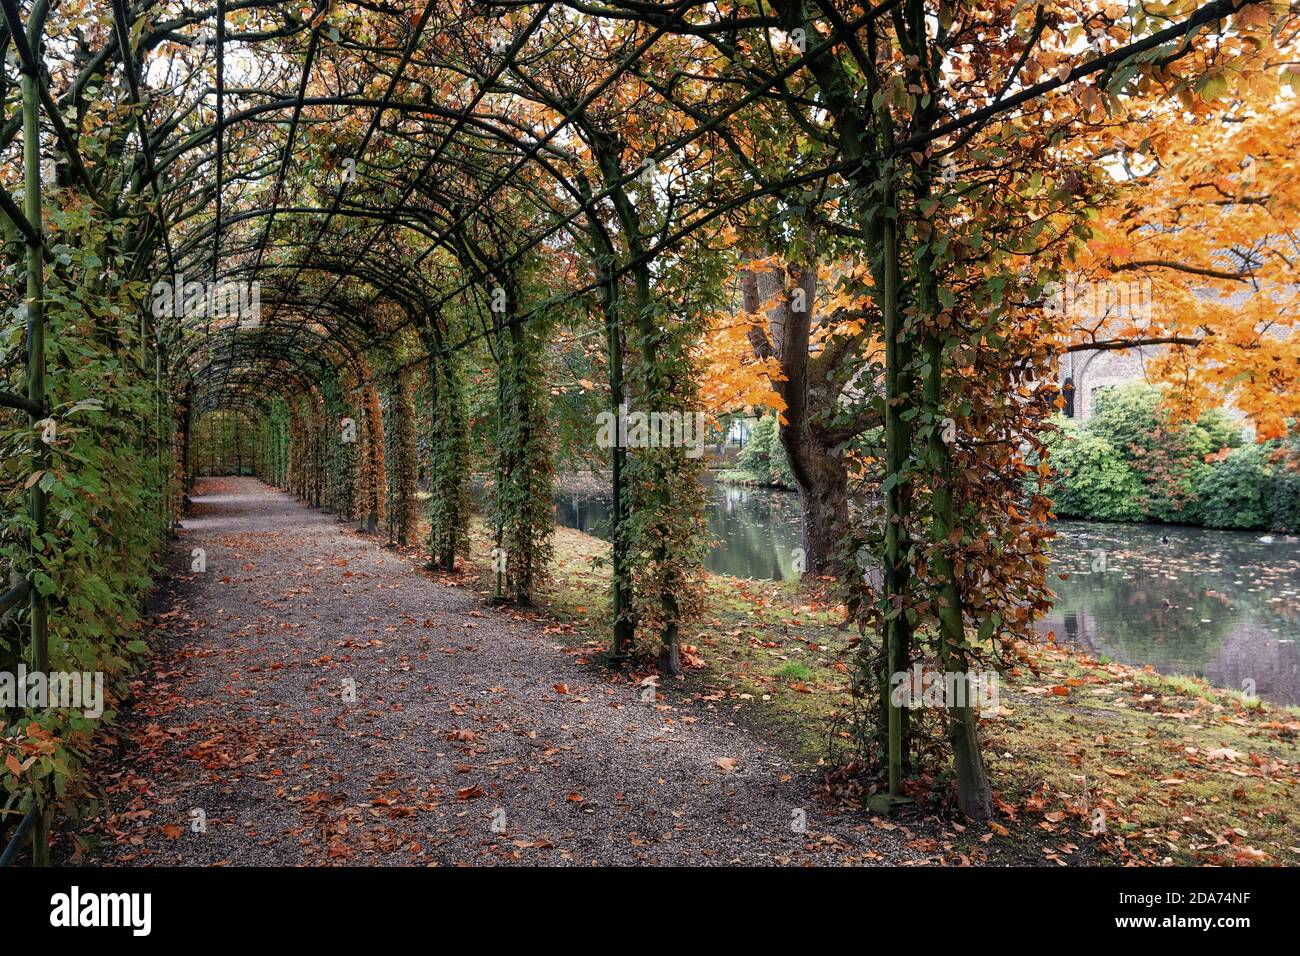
x,y
1142,617
1148,607
755,530
757,533
1252,652
588,515
1197,602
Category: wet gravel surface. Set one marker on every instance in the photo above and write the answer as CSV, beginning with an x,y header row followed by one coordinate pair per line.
x,y
315,698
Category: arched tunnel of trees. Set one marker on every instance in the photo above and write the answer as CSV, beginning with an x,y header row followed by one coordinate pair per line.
x,y
367,251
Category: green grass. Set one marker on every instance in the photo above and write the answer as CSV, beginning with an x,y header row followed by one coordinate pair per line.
x,y
795,671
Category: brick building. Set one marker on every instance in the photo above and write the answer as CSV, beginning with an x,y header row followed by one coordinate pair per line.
x,y
1084,375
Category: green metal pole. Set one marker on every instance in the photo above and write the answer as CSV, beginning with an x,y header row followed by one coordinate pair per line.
x,y
498,588
36,394
162,471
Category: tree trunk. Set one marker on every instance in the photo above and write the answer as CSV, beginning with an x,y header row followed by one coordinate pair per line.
x,y
813,453
670,657
823,497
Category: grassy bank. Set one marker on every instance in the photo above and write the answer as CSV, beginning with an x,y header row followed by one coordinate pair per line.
x,y
1182,773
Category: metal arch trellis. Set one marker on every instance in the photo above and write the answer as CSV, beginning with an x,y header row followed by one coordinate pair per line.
x,y
588,205
276,347
370,131
528,152
460,119
1206,14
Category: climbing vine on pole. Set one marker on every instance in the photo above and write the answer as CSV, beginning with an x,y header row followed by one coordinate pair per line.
x,y
524,484
400,429
448,461
371,474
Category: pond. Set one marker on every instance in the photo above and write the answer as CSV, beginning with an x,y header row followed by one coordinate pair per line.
x,y
1223,605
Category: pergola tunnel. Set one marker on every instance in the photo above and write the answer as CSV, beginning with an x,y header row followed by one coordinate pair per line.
x,y
356,458
409,261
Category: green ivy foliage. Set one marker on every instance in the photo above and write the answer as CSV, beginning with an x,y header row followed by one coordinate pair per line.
x,y
109,487
666,530
399,430
273,443
449,462
524,484
341,462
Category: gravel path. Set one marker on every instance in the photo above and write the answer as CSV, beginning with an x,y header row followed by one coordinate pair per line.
x,y
474,737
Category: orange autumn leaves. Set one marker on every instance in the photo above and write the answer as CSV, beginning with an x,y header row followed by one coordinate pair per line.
x,y
1203,218
735,378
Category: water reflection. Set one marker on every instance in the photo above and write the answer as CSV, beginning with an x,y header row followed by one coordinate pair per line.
x,y
755,531
1224,605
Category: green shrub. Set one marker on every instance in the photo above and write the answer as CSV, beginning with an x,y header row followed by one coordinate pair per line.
x,y
1233,491
1166,456
1221,430
763,459
1132,462
1093,480
1283,496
